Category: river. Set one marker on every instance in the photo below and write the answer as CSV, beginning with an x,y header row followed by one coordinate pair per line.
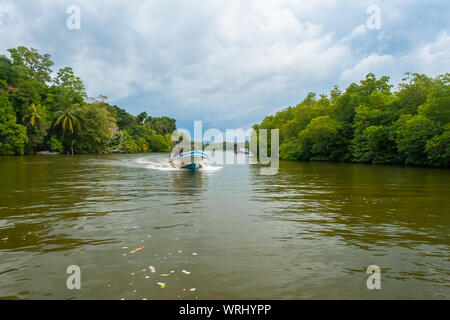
x,y
227,232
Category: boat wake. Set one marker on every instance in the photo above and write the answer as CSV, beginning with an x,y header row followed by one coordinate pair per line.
x,y
164,165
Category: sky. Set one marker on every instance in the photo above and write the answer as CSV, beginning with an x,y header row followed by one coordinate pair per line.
x,y
229,63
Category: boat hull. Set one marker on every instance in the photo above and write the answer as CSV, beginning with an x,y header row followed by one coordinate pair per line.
x,y
193,160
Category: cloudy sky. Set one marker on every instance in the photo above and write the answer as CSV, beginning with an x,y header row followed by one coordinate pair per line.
x,y
229,63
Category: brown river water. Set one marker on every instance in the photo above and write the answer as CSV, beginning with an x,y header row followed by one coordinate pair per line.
x,y
227,232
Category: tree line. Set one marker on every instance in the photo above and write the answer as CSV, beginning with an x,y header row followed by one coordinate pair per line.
x,y
370,123
40,112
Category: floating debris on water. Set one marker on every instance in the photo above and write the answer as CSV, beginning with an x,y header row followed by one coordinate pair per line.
x,y
164,274
137,249
161,284
146,277
194,253
152,269
171,271
192,289
186,272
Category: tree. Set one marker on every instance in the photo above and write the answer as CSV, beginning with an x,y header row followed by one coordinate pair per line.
x,y
68,121
162,125
55,145
320,140
36,124
374,144
97,129
38,66
24,95
140,118
37,112
124,119
32,116
369,122
437,105
65,78
413,92
372,125
438,149
411,136
13,136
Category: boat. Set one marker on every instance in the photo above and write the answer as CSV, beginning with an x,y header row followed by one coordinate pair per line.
x,y
46,153
244,150
191,160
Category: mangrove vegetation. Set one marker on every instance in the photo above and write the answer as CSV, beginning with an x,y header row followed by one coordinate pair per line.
x,y
370,123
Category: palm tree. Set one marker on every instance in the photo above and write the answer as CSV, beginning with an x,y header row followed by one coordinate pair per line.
x,y
68,121
32,116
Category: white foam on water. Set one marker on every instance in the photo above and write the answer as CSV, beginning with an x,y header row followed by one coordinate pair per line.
x,y
164,165
209,168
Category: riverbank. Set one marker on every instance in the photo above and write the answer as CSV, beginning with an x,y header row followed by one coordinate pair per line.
x,y
370,123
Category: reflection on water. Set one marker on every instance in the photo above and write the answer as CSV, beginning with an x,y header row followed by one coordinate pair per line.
x,y
308,232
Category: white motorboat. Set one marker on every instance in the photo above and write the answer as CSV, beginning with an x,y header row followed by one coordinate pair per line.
x,y
191,160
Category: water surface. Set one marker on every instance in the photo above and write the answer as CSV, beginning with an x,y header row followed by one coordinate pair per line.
x,y
308,232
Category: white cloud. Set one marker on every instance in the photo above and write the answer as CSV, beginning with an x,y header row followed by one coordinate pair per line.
x,y
215,58
228,55
358,31
374,63
12,26
435,55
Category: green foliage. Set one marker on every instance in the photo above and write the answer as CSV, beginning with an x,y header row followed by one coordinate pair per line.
x,y
129,145
96,129
411,136
370,123
55,145
375,145
437,105
35,65
38,112
320,140
13,136
124,120
159,143
66,79
162,125
68,121
438,149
